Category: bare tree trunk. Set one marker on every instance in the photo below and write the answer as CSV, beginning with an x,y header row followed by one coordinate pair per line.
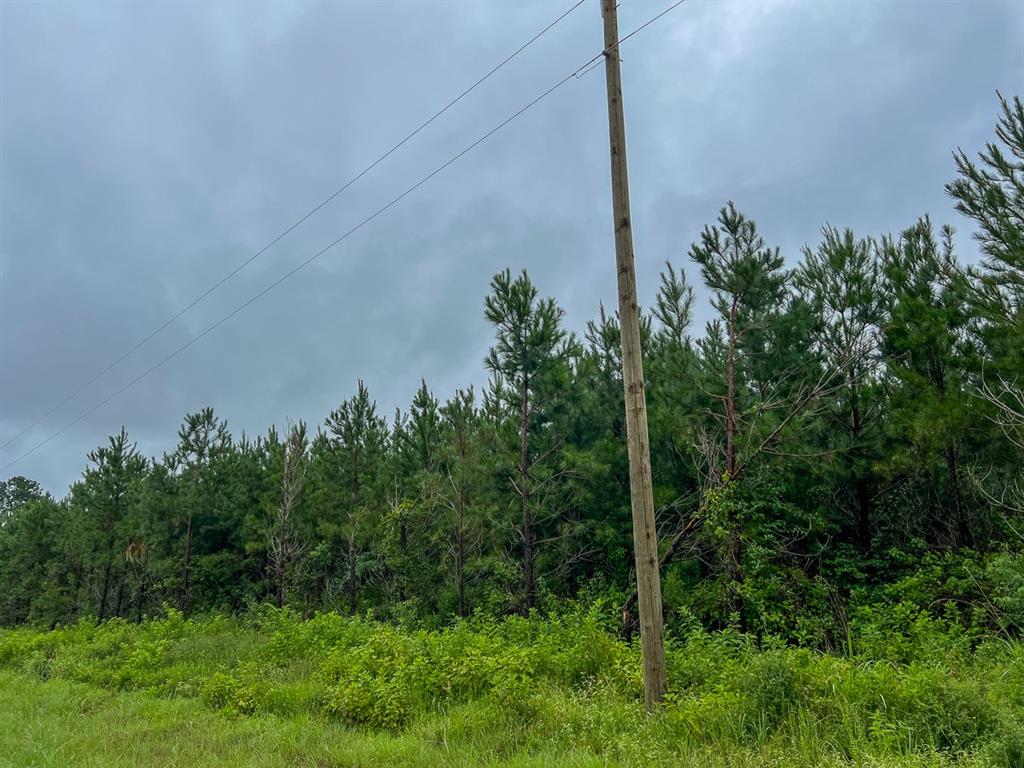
x,y
279,592
352,596
403,545
529,578
730,396
120,593
76,606
352,571
861,485
141,598
185,565
963,535
734,545
282,547
460,553
103,592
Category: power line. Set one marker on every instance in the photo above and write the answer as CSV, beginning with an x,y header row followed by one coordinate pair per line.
x,y
650,21
294,226
394,201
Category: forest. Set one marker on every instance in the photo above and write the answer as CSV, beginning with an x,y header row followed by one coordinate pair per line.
x,y
838,465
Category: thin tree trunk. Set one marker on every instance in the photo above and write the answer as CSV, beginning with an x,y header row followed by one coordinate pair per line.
x,y
460,554
185,565
963,535
861,485
104,591
106,577
352,572
141,599
277,575
282,548
730,396
352,535
403,544
75,598
734,553
120,593
524,494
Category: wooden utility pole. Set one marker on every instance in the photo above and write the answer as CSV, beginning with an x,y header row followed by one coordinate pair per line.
x,y
645,538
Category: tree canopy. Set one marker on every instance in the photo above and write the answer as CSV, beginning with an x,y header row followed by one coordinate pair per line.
x,y
842,416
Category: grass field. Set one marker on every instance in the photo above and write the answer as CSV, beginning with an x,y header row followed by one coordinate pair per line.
x,y
56,724
344,692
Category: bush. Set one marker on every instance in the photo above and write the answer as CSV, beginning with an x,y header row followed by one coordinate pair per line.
x,y
916,683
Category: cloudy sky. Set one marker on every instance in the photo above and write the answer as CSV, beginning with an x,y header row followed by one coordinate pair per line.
x,y
146,149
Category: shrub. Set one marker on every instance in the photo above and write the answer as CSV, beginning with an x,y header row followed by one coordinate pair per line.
x,y
915,684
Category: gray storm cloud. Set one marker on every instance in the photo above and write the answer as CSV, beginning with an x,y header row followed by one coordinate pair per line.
x,y
147,149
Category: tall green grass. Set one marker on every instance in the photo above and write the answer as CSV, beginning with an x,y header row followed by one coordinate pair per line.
x,y
564,689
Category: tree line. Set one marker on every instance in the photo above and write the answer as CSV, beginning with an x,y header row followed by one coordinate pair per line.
x,y
834,421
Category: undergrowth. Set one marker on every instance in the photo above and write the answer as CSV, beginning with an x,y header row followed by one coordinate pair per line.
x,y
527,684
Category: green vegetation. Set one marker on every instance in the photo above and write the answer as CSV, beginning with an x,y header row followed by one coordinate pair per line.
x,y
837,424
561,690
838,464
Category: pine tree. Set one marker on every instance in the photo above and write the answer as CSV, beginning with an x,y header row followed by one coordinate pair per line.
x,y
747,283
461,458
15,492
928,355
842,283
992,194
283,544
672,364
357,436
532,355
424,429
202,439
414,504
104,498
36,566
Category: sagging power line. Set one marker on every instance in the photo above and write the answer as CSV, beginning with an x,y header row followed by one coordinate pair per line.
x,y
291,228
574,75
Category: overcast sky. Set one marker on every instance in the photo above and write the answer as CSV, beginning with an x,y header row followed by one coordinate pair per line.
x,y
148,148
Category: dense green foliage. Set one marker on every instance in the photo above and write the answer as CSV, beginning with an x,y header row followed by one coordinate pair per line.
x,y
848,432
565,687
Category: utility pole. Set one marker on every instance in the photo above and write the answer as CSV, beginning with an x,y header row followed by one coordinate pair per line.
x,y
645,538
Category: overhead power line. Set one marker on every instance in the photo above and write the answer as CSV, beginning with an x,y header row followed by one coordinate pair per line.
x,y
305,217
394,201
